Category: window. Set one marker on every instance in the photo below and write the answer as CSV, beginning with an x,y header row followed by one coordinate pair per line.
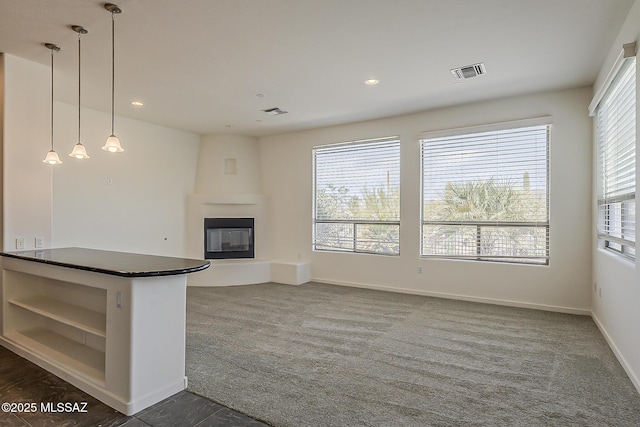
x,y
616,127
357,197
485,193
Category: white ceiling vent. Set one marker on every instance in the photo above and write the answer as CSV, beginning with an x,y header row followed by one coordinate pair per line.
x,y
275,111
469,71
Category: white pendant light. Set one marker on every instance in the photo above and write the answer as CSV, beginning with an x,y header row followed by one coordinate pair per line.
x,y
52,157
79,151
112,144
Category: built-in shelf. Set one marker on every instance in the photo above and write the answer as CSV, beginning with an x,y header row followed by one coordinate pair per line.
x,y
69,314
69,354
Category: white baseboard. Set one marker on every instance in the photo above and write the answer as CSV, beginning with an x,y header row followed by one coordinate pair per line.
x,y
544,307
627,368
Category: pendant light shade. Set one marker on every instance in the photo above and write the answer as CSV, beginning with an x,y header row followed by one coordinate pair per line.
x,y
79,151
112,144
52,157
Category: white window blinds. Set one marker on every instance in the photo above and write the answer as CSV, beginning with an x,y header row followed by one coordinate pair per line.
x,y
485,194
616,127
357,197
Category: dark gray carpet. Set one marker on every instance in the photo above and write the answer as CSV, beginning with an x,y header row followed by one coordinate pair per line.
x,y
322,355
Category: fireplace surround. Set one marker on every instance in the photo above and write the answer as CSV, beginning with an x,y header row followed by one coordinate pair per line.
x,y
220,195
229,238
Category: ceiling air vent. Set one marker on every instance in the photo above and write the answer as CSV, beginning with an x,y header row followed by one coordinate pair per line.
x,y
275,111
469,71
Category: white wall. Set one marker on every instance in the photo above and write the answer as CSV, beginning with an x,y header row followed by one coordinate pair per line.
x,y
616,290
563,285
214,150
25,142
143,209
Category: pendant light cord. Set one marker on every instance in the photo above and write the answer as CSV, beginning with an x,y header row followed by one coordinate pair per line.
x,y
113,68
79,85
51,99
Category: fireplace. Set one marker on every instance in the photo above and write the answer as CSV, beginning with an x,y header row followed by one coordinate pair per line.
x,y
227,238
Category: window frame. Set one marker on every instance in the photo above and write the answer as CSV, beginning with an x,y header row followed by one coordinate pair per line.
x,y
355,223
478,256
605,203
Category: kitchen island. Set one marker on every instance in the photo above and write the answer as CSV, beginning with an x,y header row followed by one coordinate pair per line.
x,y
110,323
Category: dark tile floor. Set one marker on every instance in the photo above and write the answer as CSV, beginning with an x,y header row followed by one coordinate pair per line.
x,y
23,382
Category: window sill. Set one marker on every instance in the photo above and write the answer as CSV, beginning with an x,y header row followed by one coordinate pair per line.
x,y
609,253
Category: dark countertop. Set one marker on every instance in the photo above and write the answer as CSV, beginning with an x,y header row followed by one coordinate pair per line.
x,y
121,264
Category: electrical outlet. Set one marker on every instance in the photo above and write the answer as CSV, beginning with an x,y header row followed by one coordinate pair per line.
x,y
20,243
39,242
419,269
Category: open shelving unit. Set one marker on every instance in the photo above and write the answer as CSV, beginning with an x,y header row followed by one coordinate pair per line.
x,y
62,322
119,339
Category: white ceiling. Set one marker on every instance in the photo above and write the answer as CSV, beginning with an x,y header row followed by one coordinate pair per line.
x,y
198,64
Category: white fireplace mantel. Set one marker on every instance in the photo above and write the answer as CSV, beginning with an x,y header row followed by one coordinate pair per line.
x,y
226,199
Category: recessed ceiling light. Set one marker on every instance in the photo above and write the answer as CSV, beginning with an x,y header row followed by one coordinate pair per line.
x,y
371,82
137,103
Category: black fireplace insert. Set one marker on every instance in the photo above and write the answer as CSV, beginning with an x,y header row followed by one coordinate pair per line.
x,y
227,238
